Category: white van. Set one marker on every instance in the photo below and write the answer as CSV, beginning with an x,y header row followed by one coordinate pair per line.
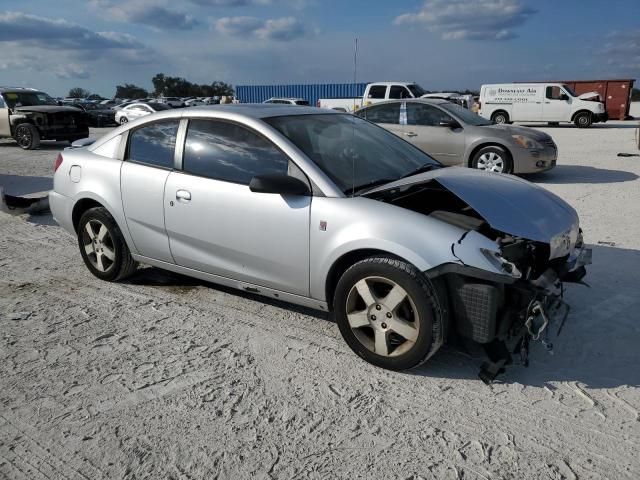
x,y
540,102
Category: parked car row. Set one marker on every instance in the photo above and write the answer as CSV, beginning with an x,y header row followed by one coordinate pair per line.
x,y
328,210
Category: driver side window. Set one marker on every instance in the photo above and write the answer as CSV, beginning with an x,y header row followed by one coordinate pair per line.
x,y
2,104
554,93
425,115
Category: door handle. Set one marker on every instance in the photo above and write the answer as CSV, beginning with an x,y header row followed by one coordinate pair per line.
x,y
410,134
183,196
547,102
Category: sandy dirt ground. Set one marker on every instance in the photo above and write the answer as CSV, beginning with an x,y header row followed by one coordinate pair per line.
x,y
169,377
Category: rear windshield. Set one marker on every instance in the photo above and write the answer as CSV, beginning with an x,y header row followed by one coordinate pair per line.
x,y
27,99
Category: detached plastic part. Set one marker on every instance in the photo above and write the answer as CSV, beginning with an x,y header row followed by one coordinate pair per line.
x,y
20,205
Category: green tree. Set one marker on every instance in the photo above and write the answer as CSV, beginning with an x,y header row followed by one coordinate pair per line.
x,y
180,87
128,90
78,92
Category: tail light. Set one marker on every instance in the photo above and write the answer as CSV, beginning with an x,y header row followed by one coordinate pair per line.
x,y
58,163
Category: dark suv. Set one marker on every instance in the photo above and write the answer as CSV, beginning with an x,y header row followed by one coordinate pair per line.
x,y
29,116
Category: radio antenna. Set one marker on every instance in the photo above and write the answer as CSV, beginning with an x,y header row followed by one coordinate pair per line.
x,y
355,89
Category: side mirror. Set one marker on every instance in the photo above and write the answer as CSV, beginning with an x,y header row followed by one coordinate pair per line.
x,y
277,183
449,124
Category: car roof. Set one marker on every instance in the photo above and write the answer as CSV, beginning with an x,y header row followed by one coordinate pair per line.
x,y
263,110
18,89
429,101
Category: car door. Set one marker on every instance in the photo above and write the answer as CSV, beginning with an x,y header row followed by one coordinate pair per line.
x,y
216,224
148,161
557,106
5,126
528,107
423,129
387,115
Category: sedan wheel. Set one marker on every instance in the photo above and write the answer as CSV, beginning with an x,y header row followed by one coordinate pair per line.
x,y
389,313
492,159
123,120
491,162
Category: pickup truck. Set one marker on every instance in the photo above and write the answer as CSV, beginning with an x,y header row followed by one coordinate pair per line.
x,y
373,93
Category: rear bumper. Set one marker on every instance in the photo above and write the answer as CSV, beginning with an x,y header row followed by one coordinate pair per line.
x,y
62,208
75,134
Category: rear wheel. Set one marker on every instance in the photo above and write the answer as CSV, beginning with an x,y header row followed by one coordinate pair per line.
x,y
102,246
492,159
123,120
27,136
583,120
389,313
500,117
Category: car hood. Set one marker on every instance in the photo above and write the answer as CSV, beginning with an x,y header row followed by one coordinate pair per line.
x,y
515,130
47,109
508,204
590,96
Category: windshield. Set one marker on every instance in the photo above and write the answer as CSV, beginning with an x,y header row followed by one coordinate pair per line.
x,y
467,116
569,90
27,99
416,90
354,153
159,106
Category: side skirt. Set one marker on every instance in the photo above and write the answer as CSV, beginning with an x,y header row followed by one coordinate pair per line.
x,y
229,282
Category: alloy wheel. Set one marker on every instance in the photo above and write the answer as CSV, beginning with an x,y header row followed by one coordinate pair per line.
x,y
491,162
98,245
382,316
23,137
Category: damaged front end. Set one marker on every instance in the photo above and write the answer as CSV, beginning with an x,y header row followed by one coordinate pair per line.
x,y
520,245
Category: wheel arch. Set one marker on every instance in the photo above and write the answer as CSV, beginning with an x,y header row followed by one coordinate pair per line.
x,y
82,206
582,110
501,110
345,261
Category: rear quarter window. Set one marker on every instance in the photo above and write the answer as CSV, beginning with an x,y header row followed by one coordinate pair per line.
x,y
154,144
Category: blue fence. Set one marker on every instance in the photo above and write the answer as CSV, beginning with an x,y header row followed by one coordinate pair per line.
x,y
311,93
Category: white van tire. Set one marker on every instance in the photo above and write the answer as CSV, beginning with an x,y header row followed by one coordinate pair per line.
x,y
583,120
500,117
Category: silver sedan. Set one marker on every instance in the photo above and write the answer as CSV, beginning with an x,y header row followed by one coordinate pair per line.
x,y
326,210
456,136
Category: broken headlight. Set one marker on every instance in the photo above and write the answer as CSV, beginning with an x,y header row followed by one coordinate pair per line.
x,y
501,263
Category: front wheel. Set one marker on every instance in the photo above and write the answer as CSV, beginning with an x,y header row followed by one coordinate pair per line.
x,y
583,120
102,246
389,313
492,159
123,120
27,136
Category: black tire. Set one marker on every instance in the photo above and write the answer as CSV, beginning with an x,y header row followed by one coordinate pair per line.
x,y
583,120
122,265
123,120
500,117
421,293
502,153
27,136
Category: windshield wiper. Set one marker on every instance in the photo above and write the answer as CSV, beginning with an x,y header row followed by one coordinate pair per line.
x,y
427,167
368,186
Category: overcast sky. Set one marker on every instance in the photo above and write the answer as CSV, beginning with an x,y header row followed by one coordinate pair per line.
x,y
441,44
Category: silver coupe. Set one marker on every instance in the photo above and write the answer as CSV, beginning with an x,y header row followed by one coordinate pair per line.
x,y
330,211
